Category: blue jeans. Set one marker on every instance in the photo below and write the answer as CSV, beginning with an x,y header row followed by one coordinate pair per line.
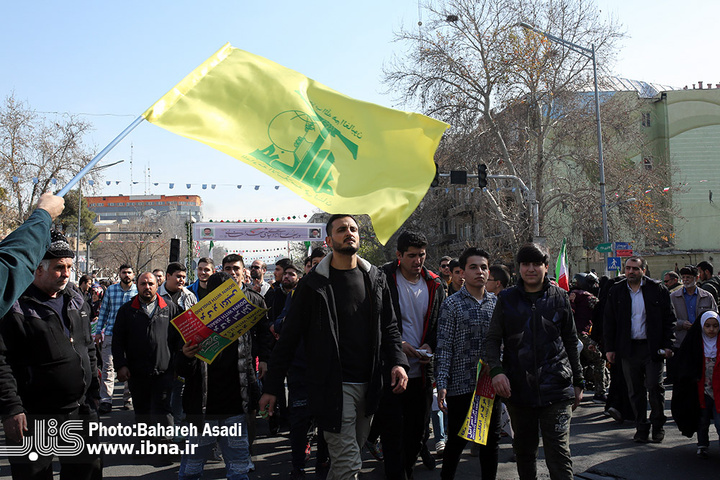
x,y
439,423
706,415
235,450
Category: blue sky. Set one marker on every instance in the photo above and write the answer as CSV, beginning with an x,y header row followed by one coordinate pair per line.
x,y
113,60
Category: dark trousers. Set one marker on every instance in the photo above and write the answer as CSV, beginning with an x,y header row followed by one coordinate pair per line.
x,y
554,423
618,397
78,467
151,398
402,420
301,427
643,375
458,406
707,415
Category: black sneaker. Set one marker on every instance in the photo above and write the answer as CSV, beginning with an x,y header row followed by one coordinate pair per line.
x,y
658,435
104,408
702,452
642,436
615,414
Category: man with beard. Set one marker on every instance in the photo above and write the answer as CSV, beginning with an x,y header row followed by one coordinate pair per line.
x,y
47,365
259,334
116,295
220,394
205,268
343,311
639,329
257,274
142,351
276,287
159,275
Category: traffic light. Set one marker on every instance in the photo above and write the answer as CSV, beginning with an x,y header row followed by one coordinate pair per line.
x,y
436,179
458,177
482,175
174,250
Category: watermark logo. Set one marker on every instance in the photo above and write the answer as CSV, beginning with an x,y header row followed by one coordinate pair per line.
x,y
48,439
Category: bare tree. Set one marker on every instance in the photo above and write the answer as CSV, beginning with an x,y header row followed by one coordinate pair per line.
x,y
35,151
521,105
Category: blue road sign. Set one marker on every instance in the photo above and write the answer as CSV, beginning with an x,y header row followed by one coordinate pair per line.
x,y
614,263
622,246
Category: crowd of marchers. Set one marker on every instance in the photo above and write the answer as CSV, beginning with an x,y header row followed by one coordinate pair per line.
x,y
351,355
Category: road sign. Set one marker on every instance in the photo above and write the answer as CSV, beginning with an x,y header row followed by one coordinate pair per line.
x,y
604,247
614,263
624,253
623,246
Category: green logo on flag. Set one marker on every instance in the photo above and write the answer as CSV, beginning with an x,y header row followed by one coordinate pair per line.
x,y
303,136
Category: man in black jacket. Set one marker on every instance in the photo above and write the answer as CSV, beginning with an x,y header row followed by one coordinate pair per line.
x,y
343,312
639,331
223,393
48,366
540,374
142,351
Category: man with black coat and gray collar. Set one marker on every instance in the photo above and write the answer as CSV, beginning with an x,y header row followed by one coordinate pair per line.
x,y
343,312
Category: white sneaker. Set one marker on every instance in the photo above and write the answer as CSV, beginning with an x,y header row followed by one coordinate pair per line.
x,y
440,447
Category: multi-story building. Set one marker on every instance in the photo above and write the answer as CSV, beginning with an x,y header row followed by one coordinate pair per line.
x,y
124,209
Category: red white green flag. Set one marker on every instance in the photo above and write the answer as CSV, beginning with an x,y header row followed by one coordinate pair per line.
x,y
561,269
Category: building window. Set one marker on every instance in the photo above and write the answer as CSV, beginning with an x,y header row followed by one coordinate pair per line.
x,y
645,119
648,163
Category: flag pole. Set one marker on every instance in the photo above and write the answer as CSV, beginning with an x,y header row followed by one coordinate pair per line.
x,y
99,156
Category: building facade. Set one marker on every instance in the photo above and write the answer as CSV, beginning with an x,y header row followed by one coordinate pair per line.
x,y
123,209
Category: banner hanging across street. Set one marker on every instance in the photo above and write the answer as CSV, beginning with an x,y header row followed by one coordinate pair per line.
x,y
284,232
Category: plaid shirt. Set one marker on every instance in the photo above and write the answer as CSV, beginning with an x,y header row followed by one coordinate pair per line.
x,y
463,324
114,298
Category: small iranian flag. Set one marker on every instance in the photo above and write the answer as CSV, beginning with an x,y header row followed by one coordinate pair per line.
x,y
561,269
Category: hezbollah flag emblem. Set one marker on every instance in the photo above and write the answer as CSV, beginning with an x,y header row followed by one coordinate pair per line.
x,y
340,154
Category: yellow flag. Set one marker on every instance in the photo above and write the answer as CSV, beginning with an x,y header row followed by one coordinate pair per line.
x,y
340,154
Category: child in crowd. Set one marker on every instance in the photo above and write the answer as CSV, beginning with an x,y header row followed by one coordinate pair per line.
x,y
696,396
709,385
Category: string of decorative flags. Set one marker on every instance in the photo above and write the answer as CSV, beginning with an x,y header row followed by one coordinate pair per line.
x,y
213,186
264,220
170,185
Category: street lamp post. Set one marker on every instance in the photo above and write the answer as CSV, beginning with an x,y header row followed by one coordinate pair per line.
x,y
590,54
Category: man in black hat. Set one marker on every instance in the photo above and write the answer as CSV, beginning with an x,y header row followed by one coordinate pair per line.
x,y
47,366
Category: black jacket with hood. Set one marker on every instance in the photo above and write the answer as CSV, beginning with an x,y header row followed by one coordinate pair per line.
x,y
313,318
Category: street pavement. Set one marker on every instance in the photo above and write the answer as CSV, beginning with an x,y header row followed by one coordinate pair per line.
x,y
601,449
